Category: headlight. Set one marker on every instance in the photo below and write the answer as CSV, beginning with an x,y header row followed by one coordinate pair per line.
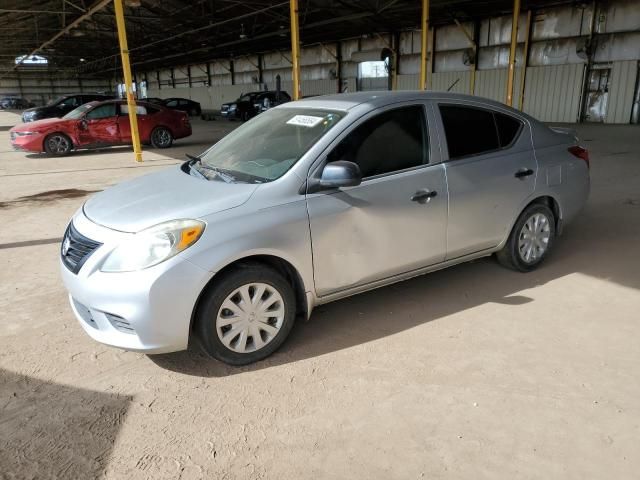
x,y
154,245
23,134
233,107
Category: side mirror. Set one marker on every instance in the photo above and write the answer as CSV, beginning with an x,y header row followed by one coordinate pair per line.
x,y
84,124
340,174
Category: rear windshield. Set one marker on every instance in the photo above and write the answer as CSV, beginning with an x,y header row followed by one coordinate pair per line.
x,y
270,144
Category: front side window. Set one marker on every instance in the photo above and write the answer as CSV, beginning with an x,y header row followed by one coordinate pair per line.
x,y
265,148
391,141
103,111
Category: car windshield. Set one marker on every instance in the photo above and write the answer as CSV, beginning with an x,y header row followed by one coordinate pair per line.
x,y
56,100
78,112
247,98
263,149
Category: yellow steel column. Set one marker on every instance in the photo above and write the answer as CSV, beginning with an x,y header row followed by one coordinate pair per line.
x,y
425,43
525,60
295,48
126,69
512,51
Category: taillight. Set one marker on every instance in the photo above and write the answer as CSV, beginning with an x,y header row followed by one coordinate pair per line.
x,y
580,152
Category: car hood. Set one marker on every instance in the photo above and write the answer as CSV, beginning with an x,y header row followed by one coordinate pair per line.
x,y
44,123
170,194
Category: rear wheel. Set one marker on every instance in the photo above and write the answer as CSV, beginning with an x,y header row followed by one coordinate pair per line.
x,y
161,137
247,315
57,144
530,240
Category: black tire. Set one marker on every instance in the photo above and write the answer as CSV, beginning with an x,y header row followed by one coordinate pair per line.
x,y
512,255
58,144
211,304
244,116
161,137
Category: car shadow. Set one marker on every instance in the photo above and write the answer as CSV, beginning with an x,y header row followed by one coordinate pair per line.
x,y
597,244
48,430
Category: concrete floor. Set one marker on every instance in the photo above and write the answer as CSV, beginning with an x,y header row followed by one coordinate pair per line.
x,y
472,372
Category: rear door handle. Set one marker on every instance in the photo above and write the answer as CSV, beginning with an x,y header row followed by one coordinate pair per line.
x,y
423,196
525,172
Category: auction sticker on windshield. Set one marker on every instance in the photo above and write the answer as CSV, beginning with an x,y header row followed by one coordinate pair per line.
x,y
305,121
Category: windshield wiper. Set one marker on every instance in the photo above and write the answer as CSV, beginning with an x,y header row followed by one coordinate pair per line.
x,y
226,177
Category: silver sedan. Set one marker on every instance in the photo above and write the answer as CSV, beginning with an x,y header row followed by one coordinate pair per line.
x,y
310,202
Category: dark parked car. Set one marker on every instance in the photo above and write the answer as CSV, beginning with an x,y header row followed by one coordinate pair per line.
x,y
59,107
183,104
251,104
156,100
15,103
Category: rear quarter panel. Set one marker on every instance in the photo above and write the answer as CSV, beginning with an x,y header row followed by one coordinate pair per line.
x,y
561,175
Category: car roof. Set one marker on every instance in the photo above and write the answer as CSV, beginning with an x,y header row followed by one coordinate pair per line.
x,y
377,99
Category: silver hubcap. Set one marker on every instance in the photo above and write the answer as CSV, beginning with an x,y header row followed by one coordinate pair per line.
x,y
534,238
250,317
162,137
58,144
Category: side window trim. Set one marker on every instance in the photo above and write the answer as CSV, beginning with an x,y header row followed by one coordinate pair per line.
x,y
442,131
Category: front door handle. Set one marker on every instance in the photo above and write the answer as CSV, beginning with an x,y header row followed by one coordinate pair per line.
x,y
524,172
423,196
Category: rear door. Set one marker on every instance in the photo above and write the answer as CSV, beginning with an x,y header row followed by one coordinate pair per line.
x,y
395,220
99,126
491,172
145,123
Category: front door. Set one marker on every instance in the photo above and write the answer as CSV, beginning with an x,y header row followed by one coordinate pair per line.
x,y
392,223
99,126
491,172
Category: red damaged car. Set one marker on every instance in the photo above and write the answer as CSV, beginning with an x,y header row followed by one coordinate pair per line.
x,y
101,124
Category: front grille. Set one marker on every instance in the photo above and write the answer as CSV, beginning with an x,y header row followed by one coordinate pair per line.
x,y
225,108
76,249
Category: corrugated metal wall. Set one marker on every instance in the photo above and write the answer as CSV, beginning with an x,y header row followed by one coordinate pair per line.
x,y
408,82
552,93
493,84
442,81
621,89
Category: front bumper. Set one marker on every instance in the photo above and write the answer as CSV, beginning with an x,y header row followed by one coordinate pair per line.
x,y
27,143
146,311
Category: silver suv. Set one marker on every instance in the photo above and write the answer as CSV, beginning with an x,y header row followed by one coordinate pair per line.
x,y
311,202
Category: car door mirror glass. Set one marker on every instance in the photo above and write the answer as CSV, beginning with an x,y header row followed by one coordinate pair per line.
x,y
340,174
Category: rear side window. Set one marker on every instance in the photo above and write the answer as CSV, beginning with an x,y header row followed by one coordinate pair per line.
x,y
469,131
508,128
391,141
140,109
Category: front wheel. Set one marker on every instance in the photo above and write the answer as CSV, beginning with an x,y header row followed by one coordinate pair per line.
x,y
161,137
530,240
57,144
247,315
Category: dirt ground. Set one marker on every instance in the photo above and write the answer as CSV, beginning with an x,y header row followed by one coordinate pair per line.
x,y
473,372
